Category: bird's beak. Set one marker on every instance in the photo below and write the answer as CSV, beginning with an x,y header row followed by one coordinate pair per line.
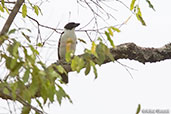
x,y
77,24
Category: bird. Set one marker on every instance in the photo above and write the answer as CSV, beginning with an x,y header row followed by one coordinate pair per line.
x,y
67,43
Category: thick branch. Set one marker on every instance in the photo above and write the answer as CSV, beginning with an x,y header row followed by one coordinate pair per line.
x,y
11,17
141,54
133,52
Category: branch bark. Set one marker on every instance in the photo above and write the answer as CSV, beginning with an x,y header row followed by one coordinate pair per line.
x,y
11,17
133,52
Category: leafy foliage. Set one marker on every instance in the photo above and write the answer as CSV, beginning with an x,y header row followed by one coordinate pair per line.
x,y
32,77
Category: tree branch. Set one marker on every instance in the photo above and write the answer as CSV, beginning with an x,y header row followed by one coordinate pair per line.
x,y
11,17
133,52
141,54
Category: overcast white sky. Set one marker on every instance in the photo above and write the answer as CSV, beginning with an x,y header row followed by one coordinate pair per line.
x,y
114,91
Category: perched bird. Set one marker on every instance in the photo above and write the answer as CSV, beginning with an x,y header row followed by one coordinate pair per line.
x,y
67,42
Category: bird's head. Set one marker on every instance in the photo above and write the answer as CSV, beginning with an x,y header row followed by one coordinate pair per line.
x,y
71,25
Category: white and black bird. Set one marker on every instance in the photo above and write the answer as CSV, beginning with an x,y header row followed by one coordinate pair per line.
x,y
68,37
67,42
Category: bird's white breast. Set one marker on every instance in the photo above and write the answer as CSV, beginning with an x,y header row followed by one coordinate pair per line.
x,y
67,36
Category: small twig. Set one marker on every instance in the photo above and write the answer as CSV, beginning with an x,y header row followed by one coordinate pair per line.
x,y
109,6
50,35
127,68
125,6
8,2
88,36
94,12
44,25
9,107
87,23
14,106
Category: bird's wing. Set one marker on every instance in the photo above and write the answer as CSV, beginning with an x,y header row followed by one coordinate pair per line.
x,y
59,43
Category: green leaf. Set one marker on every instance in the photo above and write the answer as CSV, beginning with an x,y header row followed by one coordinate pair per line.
x,y
94,68
62,94
93,48
26,95
6,91
150,5
103,51
100,50
39,103
8,62
13,63
110,31
39,44
30,59
139,11
81,40
13,48
40,10
77,64
6,9
35,52
3,38
25,110
138,109
115,29
107,52
51,91
1,8
139,17
35,84
14,87
24,10
15,70
44,92
132,4
60,69
26,75
3,3
51,72
36,9
26,36
12,31
68,56
109,39
87,68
